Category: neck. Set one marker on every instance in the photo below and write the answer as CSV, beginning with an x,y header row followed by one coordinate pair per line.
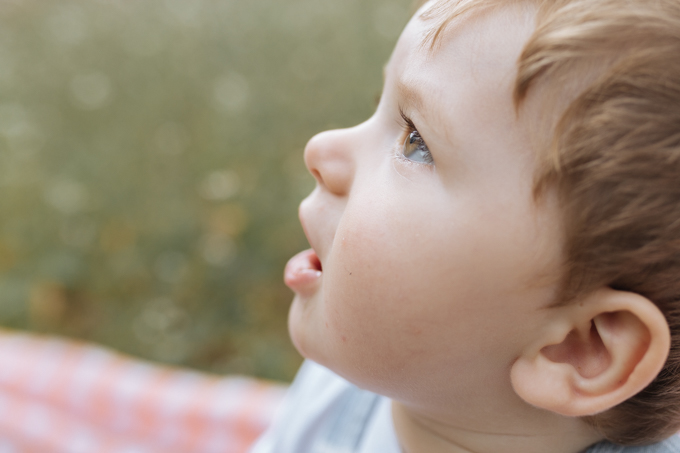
x,y
419,433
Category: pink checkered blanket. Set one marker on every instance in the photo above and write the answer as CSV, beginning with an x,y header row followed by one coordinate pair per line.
x,y
62,396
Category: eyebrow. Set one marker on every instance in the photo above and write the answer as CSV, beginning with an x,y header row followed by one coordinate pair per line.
x,y
409,95
406,92
412,100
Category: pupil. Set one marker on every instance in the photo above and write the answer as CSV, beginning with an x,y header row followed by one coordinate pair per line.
x,y
409,147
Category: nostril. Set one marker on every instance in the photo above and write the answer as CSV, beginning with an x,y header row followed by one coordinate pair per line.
x,y
332,175
328,159
316,174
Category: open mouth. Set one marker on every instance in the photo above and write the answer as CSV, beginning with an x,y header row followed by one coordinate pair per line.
x,y
303,271
315,262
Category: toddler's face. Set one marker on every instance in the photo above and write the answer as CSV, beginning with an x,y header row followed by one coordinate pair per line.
x,y
429,257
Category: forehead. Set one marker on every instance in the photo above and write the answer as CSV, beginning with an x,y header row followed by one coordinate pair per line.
x,y
472,67
489,27
443,12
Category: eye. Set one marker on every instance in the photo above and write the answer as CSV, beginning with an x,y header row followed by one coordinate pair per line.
x,y
416,150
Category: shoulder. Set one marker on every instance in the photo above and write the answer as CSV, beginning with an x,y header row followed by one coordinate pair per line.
x,y
324,410
670,445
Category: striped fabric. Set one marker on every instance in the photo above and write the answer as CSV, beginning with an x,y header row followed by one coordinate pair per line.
x,y
60,396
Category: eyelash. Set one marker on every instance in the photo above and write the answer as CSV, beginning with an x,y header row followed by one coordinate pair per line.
x,y
409,131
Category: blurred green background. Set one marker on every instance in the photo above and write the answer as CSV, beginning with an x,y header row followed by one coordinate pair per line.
x,y
151,165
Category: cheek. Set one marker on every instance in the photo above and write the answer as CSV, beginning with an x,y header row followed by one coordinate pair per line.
x,y
373,291
402,294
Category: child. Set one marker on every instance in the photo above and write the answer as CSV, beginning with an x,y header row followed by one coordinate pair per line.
x,y
495,255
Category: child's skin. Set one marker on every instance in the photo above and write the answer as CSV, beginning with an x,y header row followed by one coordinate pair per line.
x,y
433,264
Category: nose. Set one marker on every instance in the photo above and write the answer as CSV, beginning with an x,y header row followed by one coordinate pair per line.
x,y
329,159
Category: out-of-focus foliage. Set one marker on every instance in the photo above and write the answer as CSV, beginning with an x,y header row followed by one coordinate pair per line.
x,y
151,165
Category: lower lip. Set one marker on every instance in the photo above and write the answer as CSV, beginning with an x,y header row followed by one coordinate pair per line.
x,y
302,272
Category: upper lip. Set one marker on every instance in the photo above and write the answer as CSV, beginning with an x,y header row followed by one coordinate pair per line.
x,y
306,230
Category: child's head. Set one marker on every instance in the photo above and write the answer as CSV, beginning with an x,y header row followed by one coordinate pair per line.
x,y
504,233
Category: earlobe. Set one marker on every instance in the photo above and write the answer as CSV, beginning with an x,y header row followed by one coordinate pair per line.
x,y
594,354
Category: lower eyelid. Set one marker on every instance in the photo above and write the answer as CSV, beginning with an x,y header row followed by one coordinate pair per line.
x,y
402,166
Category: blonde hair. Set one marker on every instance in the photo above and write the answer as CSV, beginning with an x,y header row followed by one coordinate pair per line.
x,y
614,158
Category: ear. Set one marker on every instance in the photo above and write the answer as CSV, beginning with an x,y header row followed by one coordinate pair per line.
x,y
593,354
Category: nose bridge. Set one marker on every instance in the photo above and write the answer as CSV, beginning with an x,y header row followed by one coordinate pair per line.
x,y
329,158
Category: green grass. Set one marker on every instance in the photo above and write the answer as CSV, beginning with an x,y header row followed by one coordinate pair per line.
x,y
151,165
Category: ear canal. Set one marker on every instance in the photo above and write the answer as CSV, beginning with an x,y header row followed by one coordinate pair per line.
x,y
612,346
583,350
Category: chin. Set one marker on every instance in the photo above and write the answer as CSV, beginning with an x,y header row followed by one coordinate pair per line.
x,y
299,330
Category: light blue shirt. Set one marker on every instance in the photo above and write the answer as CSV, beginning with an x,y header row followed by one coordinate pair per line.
x,y
323,413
